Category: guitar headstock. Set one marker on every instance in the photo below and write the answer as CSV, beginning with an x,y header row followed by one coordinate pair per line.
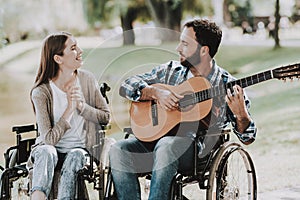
x,y
287,72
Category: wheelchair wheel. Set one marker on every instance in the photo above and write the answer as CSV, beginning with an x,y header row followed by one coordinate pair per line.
x,y
101,185
14,180
232,175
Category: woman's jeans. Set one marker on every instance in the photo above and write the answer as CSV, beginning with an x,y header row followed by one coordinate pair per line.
x,y
45,159
164,158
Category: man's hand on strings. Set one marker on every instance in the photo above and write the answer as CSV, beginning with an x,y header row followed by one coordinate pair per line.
x,y
167,99
236,103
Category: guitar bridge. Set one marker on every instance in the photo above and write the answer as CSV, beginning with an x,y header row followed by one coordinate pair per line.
x,y
154,113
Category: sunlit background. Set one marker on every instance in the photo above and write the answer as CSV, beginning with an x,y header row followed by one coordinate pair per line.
x,y
121,37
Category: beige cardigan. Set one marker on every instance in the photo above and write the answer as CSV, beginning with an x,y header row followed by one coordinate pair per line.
x,y
95,111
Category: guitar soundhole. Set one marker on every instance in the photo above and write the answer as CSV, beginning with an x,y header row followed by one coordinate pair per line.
x,y
186,108
186,103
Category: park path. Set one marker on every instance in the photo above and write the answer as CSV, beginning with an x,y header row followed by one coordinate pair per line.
x,y
281,194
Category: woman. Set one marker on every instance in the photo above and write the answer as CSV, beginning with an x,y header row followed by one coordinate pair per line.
x,y
69,108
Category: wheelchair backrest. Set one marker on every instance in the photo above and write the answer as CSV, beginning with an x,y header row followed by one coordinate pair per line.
x,y
24,144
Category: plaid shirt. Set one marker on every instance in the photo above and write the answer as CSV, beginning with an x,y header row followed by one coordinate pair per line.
x,y
173,73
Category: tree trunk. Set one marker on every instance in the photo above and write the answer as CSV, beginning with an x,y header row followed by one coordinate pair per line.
x,y
226,14
127,21
277,20
166,14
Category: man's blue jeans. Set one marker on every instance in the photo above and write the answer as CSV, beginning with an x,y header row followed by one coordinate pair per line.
x,y
164,158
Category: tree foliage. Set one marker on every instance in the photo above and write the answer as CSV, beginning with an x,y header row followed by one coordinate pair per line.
x,y
165,13
197,8
238,11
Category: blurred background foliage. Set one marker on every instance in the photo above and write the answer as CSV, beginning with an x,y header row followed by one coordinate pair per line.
x,y
21,20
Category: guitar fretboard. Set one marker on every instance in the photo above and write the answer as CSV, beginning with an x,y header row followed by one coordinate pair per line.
x,y
251,80
204,95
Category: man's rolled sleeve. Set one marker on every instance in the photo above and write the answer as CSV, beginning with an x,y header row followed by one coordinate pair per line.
x,y
131,88
249,134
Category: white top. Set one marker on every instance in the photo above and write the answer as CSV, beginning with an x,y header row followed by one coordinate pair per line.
x,y
189,75
75,136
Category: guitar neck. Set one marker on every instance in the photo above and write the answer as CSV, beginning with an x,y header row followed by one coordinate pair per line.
x,y
243,82
251,80
221,90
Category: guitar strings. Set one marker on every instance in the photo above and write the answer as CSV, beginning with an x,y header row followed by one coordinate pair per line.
x,y
204,95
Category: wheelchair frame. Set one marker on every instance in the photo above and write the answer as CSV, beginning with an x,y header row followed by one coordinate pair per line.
x,y
16,158
212,173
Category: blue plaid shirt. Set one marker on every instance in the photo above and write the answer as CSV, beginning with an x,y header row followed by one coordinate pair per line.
x,y
173,73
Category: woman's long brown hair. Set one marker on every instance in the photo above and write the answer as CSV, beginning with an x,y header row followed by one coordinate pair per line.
x,y
54,44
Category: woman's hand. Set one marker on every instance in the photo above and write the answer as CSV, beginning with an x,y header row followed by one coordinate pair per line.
x,y
75,98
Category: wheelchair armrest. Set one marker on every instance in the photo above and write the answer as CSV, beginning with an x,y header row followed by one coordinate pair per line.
x,y
226,133
23,128
226,130
103,89
105,127
128,131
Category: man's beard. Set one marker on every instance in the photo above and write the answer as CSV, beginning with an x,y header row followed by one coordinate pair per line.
x,y
193,60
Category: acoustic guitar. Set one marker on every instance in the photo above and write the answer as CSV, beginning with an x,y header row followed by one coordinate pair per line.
x,y
149,121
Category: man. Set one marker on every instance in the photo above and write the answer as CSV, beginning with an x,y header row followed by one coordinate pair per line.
x,y
199,42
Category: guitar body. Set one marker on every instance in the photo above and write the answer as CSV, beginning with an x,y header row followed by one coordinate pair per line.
x,y
149,121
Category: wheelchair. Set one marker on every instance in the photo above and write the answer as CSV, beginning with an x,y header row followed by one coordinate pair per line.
x,y
15,178
226,172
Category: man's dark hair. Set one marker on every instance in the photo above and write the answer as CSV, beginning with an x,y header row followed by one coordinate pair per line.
x,y
207,34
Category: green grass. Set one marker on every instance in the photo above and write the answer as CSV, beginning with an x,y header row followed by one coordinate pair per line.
x,y
120,60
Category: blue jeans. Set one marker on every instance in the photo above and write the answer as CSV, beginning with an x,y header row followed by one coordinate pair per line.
x,y
163,158
45,159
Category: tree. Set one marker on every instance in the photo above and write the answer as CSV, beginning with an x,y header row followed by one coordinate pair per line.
x,y
127,10
93,10
166,14
277,20
129,13
236,13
